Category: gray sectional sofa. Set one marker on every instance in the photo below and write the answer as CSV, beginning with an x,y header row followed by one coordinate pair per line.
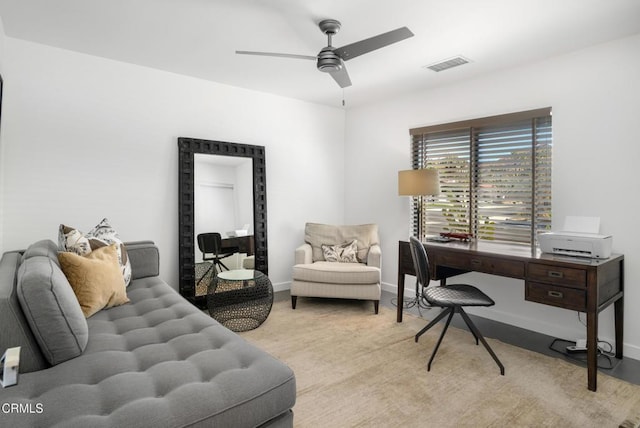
x,y
156,361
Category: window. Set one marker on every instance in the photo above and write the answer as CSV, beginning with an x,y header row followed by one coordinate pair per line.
x,y
495,177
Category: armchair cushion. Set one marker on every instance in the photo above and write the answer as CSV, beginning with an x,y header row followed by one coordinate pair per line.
x,y
316,235
337,273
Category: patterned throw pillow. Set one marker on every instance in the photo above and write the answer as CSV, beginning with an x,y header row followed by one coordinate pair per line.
x,y
343,253
102,235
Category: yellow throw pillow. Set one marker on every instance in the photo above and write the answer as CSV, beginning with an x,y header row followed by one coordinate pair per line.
x,y
96,278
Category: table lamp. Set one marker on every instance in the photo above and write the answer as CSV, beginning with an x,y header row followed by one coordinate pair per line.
x,y
418,183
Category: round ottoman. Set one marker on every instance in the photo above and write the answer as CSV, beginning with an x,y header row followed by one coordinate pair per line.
x,y
240,299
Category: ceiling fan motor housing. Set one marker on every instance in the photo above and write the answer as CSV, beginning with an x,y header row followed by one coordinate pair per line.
x,y
328,61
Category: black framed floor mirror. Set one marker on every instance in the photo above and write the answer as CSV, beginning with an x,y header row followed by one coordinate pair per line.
x,y
222,190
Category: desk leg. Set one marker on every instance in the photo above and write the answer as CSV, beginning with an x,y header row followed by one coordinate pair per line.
x,y
619,325
400,295
592,349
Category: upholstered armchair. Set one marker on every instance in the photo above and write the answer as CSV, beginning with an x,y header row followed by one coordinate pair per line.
x,y
338,262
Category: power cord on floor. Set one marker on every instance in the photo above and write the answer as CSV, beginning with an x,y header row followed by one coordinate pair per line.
x,y
560,346
411,302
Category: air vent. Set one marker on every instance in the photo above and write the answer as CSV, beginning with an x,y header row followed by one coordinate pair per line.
x,y
448,63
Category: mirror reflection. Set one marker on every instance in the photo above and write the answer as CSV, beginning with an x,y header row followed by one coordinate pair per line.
x,y
223,216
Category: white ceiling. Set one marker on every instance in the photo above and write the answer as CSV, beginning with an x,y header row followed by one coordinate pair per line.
x,y
199,37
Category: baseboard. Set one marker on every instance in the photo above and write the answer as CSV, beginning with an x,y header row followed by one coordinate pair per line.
x,y
631,351
281,286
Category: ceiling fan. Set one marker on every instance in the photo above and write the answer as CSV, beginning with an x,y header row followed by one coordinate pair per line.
x,y
331,60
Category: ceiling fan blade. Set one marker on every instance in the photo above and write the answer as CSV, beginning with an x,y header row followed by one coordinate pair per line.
x,y
341,77
371,44
279,55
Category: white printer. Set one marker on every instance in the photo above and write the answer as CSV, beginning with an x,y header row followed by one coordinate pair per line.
x,y
580,238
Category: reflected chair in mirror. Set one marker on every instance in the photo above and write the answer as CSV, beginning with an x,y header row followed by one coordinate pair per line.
x,y
451,298
210,245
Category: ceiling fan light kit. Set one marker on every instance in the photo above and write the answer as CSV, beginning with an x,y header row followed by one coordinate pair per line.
x,y
331,60
328,61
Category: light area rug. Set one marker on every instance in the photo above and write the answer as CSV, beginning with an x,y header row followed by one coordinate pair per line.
x,y
357,369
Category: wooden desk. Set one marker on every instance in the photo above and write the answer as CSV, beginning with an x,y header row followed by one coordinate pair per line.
x,y
245,244
584,285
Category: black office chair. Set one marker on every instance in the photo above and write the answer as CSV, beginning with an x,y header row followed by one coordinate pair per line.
x,y
210,245
451,298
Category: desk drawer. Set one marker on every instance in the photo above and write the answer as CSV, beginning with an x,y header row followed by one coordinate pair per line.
x,y
562,297
480,263
563,276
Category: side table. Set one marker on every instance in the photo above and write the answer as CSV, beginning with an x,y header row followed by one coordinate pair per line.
x,y
240,299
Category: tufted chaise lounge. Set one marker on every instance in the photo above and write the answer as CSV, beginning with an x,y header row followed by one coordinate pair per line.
x,y
156,361
313,276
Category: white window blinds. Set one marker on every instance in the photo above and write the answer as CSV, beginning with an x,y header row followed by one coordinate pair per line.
x,y
495,176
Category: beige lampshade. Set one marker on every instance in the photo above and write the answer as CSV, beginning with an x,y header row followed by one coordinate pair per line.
x,y
416,182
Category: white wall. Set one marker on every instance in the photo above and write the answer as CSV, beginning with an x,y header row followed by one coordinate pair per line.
x,y
2,56
86,138
595,96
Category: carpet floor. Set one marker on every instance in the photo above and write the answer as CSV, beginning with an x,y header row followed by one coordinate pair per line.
x,y
357,369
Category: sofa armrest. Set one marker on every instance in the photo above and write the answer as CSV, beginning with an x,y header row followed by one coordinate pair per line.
x,y
303,255
15,328
144,257
374,257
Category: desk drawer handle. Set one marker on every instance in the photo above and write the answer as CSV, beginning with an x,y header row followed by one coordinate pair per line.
x,y
557,294
555,274
476,262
